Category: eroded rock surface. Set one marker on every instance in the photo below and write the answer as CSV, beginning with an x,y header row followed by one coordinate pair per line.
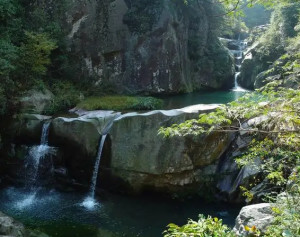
x,y
151,47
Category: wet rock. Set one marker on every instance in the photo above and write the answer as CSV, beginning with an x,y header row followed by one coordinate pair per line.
x,y
27,128
258,215
11,227
83,132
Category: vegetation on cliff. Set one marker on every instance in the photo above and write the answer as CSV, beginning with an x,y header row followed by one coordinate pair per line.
x,y
271,116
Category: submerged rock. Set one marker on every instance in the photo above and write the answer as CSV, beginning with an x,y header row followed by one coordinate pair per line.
x,y
258,215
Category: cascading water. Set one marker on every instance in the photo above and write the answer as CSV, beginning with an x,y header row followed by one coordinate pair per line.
x,y
238,59
89,202
33,160
36,154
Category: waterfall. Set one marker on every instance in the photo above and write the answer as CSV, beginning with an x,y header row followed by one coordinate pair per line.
x,y
238,60
89,202
96,167
45,133
36,154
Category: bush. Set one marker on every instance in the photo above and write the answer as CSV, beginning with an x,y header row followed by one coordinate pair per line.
x,y
287,210
66,97
204,227
120,103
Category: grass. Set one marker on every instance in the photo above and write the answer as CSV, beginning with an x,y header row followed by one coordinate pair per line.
x,y
120,103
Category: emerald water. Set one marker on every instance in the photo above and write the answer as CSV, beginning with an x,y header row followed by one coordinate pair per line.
x,y
60,214
201,97
64,215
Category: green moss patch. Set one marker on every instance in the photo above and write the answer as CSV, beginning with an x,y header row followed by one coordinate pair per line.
x,y
120,103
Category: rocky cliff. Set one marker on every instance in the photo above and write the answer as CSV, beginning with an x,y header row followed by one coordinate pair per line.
x,y
272,51
149,47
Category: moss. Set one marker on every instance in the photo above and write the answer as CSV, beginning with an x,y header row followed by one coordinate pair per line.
x,y
120,103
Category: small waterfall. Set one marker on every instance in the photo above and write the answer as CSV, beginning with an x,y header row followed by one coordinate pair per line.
x,y
36,154
238,59
89,202
96,167
35,157
45,133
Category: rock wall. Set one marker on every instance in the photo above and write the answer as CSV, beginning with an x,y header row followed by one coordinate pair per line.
x,y
148,47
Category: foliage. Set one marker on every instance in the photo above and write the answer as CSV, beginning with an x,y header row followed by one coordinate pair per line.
x,y
287,210
204,227
120,103
35,54
271,116
66,97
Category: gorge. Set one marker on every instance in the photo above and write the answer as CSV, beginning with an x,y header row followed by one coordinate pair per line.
x,y
120,117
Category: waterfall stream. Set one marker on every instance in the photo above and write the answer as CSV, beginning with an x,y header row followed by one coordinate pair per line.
x,y
238,62
36,155
89,202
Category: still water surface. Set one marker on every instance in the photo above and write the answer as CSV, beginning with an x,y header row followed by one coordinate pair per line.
x,y
60,214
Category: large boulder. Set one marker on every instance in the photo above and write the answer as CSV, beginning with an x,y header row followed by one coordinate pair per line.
x,y
135,157
145,160
83,132
258,215
143,46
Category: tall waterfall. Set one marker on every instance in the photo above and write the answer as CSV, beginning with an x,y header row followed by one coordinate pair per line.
x,y
238,61
89,202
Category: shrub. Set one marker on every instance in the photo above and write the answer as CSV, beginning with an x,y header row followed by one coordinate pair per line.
x,y
287,210
120,103
204,227
66,97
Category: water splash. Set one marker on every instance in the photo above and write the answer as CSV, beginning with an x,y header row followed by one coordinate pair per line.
x,y
26,202
89,202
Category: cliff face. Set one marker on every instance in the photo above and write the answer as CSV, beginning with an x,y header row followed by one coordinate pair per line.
x,y
148,47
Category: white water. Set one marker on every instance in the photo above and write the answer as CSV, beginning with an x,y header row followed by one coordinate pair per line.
x,y
36,154
238,58
89,202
